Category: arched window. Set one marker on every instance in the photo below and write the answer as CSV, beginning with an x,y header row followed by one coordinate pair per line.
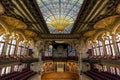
x,y
105,68
94,52
26,50
2,43
16,68
11,47
112,70
71,51
118,71
109,46
3,71
118,42
20,48
8,69
99,48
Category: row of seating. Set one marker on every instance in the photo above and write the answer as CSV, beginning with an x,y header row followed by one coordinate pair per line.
x,y
96,75
23,75
108,75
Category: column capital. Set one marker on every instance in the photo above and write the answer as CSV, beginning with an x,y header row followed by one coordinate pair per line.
x,y
7,37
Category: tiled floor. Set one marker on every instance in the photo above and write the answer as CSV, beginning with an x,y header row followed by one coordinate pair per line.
x,y
35,77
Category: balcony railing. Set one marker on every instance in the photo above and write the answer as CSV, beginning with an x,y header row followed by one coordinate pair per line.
x,y
73,58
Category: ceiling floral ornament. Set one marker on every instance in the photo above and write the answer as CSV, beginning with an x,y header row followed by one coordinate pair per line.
x,y
89,33
118,9
13,23
30,33
1,9
106,23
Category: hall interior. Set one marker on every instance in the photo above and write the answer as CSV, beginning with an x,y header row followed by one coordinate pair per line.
x,y
59,40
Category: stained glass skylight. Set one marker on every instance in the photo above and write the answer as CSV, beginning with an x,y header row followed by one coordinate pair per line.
x,y
60,14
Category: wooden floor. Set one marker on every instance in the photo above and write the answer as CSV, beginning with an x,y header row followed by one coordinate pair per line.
x,y
35,77
60,76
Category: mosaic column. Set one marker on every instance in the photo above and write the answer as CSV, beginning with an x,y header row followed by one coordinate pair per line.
x,y
104,48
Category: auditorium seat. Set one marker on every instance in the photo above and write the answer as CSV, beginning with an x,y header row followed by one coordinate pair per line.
x,y
102,75
22,75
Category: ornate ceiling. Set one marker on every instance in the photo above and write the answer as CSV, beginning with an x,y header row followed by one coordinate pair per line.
x,y
59,14
79,17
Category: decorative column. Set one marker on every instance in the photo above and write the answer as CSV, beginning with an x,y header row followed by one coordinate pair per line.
x,y
104,48
95,47
78,48
80,64
6,44
25,43
16,48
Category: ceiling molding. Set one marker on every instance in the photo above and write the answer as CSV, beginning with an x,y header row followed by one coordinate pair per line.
x,y
60,36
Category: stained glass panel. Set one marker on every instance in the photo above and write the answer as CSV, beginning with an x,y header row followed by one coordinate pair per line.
x,y
3,71
1,47
94,52
118,71
60,14
105,68
1,43
118,41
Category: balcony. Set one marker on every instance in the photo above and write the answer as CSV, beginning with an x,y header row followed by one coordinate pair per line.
x,y
17,60
69,58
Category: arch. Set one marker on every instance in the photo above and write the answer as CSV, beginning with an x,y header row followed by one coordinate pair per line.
x,y
31,40
99,33
20,33
116,26
4,26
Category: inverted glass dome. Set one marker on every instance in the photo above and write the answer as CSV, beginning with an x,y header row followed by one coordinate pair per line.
x,y
60,14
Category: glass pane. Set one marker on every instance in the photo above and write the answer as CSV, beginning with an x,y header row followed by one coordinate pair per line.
x,y
101,51
98,51
1,47
19,51
3,71
112,69
94,52
46,53
23,51
106,41
113,51
2,38
108,50
118,44
21,43
118,71
16,68
7,69
61,14
12,49
105,68
8,48
13,41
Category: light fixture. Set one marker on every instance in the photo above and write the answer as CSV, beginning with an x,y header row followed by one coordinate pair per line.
x,y
60,24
